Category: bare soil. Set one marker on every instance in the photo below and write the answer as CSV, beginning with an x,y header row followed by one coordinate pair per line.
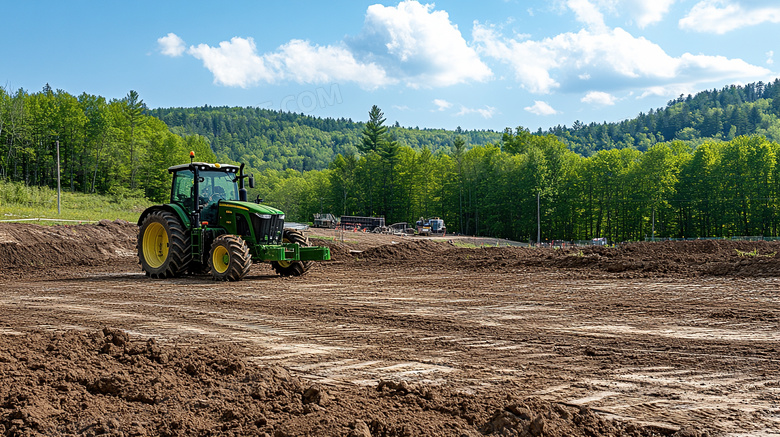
x,y
395,336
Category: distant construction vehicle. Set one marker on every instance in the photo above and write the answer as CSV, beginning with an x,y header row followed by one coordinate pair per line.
x,y
325,221
352,222
400,228
431,226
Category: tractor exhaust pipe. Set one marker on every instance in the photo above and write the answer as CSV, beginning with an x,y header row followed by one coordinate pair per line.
x,y
242,193
241,189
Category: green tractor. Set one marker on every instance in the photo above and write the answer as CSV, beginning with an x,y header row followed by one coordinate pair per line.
x,y
210,227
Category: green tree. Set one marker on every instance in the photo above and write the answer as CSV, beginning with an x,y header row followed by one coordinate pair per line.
x,y
458,151
342,179
374,132
132,108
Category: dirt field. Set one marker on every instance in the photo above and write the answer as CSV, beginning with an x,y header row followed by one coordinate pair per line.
x,y
395,336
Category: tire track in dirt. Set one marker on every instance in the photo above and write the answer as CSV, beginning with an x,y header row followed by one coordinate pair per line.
x,y
323,351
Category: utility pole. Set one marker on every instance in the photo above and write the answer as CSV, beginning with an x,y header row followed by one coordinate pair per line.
x,y
59,211
653,234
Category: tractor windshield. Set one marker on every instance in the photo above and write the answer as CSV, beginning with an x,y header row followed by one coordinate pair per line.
x,y
214,186
217,185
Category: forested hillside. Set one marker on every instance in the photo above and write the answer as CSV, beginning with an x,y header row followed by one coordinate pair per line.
x,y
719,186
278,140
266,139
725,114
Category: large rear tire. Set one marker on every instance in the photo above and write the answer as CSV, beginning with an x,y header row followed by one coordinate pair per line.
x,y
292,268
229,258
163,246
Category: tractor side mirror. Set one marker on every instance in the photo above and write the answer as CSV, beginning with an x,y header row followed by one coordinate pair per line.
x,y
251,181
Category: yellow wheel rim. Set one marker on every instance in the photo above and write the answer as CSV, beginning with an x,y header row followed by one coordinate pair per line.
x,y
220,259
155,245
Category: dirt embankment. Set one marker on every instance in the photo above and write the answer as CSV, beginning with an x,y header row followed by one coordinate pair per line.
x,y
109,383
642,259
27,249
35,250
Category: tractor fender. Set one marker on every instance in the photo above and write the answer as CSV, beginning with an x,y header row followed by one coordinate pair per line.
x,y
170,207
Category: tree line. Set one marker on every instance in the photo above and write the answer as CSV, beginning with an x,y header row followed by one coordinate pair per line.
x,y
106,146
509,187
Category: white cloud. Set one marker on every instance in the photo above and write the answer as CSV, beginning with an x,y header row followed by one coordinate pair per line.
x,y
530,60
722,16
418,45
646,12
409,43
171,45
237,63
770,57
587,13
300,61
599,98
486,112
441,104
234,62
641,12
541,108
607,60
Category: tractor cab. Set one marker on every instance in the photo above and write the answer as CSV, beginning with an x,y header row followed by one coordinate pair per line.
x,y
215,182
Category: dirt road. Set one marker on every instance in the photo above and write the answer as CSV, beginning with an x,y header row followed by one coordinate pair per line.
x,y
412,338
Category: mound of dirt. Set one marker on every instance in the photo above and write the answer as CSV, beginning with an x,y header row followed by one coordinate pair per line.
x,y
338,251
107,383
110,383
688,258
28,248
406,250
671,258
373,246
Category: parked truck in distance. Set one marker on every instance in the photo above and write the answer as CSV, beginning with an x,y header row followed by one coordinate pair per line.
x,y
431,226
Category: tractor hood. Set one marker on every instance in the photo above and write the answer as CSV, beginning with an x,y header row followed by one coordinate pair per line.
x,y
261,224
252,207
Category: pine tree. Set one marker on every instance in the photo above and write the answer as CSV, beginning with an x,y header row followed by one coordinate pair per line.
x,y
374,132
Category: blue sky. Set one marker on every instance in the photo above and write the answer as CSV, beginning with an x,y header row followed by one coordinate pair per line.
x,y
486,64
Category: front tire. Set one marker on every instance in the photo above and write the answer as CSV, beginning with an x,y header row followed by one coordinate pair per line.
x,y
163,246
229,258
292,268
